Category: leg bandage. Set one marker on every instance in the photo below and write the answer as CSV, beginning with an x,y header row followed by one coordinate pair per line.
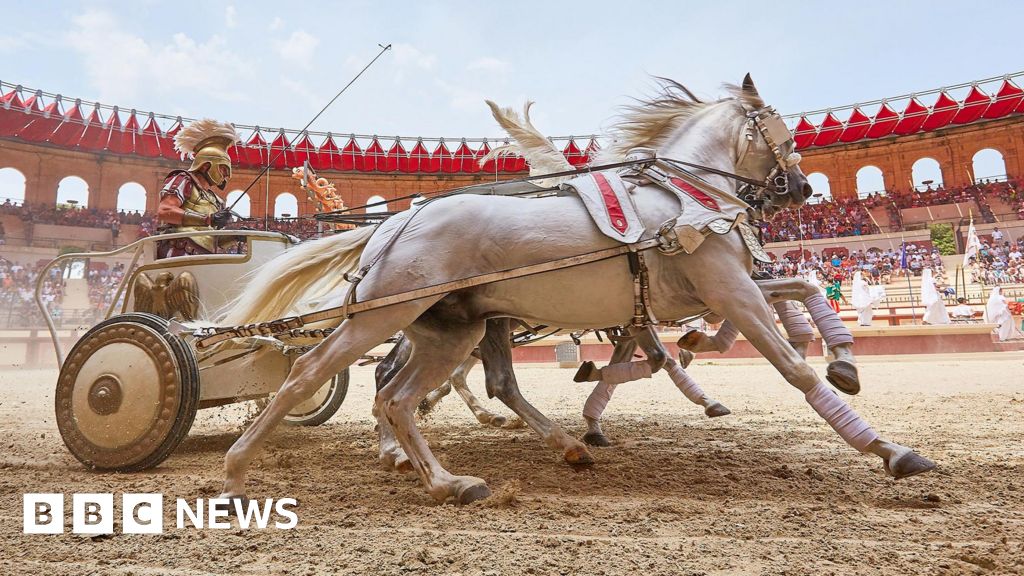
x,y
832,329
687,385
725,337
797,328
850,426
598,400
625,372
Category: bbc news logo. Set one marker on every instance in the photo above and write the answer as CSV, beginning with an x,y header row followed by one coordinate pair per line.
x,y
144,513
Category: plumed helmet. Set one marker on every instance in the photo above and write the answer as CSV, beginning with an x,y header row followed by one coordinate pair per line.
x,y
206,142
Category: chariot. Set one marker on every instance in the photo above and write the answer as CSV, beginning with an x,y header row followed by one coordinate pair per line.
x,y
129,389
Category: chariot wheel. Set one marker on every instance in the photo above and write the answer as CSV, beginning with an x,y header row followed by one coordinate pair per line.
x,y
323,404
127,394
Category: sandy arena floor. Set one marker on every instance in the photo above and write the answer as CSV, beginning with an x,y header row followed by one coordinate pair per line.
x,y
768,490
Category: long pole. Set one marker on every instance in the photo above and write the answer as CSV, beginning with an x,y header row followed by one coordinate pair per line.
x,y
383,49
913,308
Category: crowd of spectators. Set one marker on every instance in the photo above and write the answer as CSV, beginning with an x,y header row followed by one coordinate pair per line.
x,y
998,262
876,266
102,285
834,219
17,294
840,218
71,215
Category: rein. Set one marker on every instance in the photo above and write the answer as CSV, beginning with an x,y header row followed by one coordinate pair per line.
x,y
210,336
765,119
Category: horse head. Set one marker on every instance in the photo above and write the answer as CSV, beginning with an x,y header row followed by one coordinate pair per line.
x,y
770,153
739,135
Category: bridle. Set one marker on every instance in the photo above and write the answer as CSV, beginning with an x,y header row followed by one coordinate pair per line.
x,y
776,134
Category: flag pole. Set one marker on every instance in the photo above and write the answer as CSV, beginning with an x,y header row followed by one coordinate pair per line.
x,y
906,270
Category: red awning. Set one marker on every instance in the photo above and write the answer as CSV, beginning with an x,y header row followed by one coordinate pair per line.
x,y
975,105
1007,98
573,154
304,150
885,121
326,154
804,133
464,159
374,158
281,155
857,126
913,118
941,113
351,157
829,131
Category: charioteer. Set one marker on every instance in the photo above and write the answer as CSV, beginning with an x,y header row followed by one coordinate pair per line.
x,y
188,199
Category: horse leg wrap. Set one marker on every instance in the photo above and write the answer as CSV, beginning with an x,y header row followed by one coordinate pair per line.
x,y
686,384
598,400
625,372
798,329
725,337
832,329
847,423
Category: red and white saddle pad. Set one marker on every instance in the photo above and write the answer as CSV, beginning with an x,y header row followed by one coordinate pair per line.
x,y
609,204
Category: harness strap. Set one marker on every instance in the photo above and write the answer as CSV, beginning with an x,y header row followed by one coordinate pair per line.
x,y
209,336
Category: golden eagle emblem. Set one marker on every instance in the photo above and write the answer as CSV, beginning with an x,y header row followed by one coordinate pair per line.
x,y
167,296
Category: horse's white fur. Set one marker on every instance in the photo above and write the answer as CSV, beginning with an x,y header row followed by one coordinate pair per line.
x,y
438,245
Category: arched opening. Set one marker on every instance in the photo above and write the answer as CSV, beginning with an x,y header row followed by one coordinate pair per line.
x,y
819,182
285,206
242,208
131,197
870,181
988,164
72,192
12,186
926,173
376,209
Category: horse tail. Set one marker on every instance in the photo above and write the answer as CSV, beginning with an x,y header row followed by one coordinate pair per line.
x,y
311,269
542,156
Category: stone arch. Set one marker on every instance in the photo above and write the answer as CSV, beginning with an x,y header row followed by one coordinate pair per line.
x,y
243,206
12,186
285,203
870,180
376,209
819,182
988,164
73,190
131,197
925,169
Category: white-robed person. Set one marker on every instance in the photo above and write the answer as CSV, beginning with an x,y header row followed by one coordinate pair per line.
x,y
934,307
862,300
998,313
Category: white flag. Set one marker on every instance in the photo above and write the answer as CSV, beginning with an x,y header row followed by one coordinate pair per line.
x,y
973,244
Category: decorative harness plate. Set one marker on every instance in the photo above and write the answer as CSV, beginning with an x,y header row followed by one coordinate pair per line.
x,y
609,204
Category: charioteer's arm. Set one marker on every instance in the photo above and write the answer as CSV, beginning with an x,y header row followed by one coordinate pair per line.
x,y
172,197
171,212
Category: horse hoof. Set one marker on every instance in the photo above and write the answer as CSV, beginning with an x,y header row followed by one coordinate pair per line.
x,y
907,464
494,420
578,456
689,340
473,493
403,465
843,375
717,409
596,439
685,357
587,372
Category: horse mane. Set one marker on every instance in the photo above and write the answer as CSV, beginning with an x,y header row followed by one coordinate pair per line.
x,y
650,121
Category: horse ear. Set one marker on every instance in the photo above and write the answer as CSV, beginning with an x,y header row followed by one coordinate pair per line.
x,y
748,85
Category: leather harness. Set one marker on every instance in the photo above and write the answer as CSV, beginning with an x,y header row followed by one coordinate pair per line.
x,y
652,169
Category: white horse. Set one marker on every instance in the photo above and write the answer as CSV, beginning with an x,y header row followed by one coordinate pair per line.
x,y
438,244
